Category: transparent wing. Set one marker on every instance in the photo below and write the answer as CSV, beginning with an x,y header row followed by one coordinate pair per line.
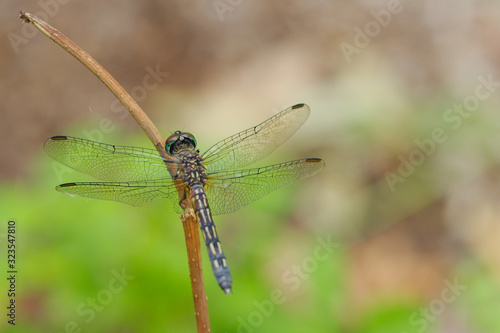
x,y
230,190
132,193
107,162
253,144
226,191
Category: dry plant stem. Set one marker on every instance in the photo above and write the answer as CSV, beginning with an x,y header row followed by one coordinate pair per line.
x,y
188,217
103,75
193,246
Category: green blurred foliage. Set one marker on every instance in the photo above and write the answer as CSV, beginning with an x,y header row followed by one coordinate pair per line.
x,y
70,249
399,244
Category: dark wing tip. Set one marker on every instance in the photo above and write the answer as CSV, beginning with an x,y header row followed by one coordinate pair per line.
x,y
317,163
54,138
58,137
315,160
66,185
297,106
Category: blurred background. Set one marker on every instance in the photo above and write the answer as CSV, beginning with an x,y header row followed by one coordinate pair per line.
x,y
399,233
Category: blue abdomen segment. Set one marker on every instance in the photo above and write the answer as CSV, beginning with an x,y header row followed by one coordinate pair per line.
x,y
214,248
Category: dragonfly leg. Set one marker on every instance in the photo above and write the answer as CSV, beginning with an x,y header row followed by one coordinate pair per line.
x,y
184,196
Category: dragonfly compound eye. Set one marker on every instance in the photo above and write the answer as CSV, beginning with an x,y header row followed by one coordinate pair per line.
x,y
170,141
178,141
189,137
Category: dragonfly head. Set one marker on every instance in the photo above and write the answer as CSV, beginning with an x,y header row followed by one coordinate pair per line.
x,y
180,141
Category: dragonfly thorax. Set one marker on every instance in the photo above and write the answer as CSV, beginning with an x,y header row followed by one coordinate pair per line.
x,y
180,141
191,169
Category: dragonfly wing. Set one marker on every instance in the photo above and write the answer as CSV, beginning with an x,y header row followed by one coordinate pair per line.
x,y
132,193
106,162
253,144
230,190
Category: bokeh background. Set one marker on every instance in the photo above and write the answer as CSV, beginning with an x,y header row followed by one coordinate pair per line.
x,y
399,233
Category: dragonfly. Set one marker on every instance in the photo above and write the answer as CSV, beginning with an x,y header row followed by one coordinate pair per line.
x,y
215,181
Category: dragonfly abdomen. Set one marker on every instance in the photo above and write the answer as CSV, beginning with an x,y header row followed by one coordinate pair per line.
x,y
214,248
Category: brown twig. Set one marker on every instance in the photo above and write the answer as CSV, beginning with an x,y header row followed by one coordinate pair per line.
x,y
188,217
